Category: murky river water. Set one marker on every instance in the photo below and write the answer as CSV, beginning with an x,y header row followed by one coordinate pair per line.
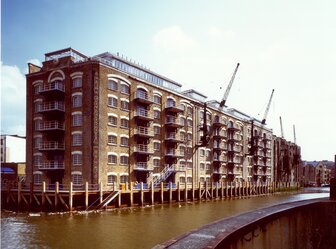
x,y
127,228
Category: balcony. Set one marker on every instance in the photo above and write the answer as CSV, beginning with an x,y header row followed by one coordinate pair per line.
x,y
142,131
143,149
234,161
220,135
233,127
52,106
219,171
143,97
52,145
143,166
234,138
51,165
219,159
234,149
171,121
173,138
234,172
173,108
143,115
53,88
218,123
176,168
173,153
51,126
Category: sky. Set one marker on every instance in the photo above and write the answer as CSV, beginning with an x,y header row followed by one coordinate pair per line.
x,y
287,45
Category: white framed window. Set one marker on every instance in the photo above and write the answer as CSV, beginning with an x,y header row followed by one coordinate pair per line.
x,y
37,142
182,136
182,150
189,165
189,150
182,121
182,179
202,152
77,119
124,179
124,123
77,82
37,178
112,159
157,99
77,159
189,136
37,160
189,110
112,101
77,100
202,179
38,105
112,85
202,166
189,179
77,178
112,120
156,162
124,141
156,146
77,139
123,160
189,122
124,88
37,88
111,179
207,166
124,105
157,130
207,153
37,124
112,139
157,114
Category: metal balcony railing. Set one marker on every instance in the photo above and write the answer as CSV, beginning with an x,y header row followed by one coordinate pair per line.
x,y
170,120
143,166
52,106
52,145
143,96
145,131
51,165
143,148
143,113
52,86
50,125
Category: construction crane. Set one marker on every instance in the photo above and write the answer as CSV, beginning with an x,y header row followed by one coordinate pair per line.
x,y
294,134
267,109
282,134
227,91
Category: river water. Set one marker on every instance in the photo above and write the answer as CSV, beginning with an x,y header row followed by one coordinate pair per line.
x,y
129,228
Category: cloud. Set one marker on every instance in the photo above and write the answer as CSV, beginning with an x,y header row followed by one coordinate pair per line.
x,y
219,35
13,100
173,39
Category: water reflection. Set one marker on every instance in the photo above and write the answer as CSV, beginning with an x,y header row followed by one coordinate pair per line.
x,y
129,228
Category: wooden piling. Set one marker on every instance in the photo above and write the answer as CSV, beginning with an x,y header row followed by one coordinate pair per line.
x,y
43,195
141,194
70,198
86,195
101,193
170,192
162,199
178,192
131,194
152,193
56,195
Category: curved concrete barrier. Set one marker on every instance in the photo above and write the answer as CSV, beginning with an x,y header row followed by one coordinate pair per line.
x,y
302,224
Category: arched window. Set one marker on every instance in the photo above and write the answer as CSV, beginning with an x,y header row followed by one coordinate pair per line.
x,y
124,88
142,93
77,158
123,160
37,178
111,179
171,102
76,178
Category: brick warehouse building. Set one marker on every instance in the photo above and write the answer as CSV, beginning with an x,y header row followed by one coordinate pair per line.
x,y
107,120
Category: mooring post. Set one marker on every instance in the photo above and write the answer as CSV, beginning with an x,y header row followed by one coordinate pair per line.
x,y
56,195
192,191
131,194
170,192
86,195
152,192
101,192
31,193
70,198
162,200
185,192
43,195
178,192
222,189
217,190
141,194
199,191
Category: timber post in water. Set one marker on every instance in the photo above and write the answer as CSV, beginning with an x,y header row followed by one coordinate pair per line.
x,y
333,183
